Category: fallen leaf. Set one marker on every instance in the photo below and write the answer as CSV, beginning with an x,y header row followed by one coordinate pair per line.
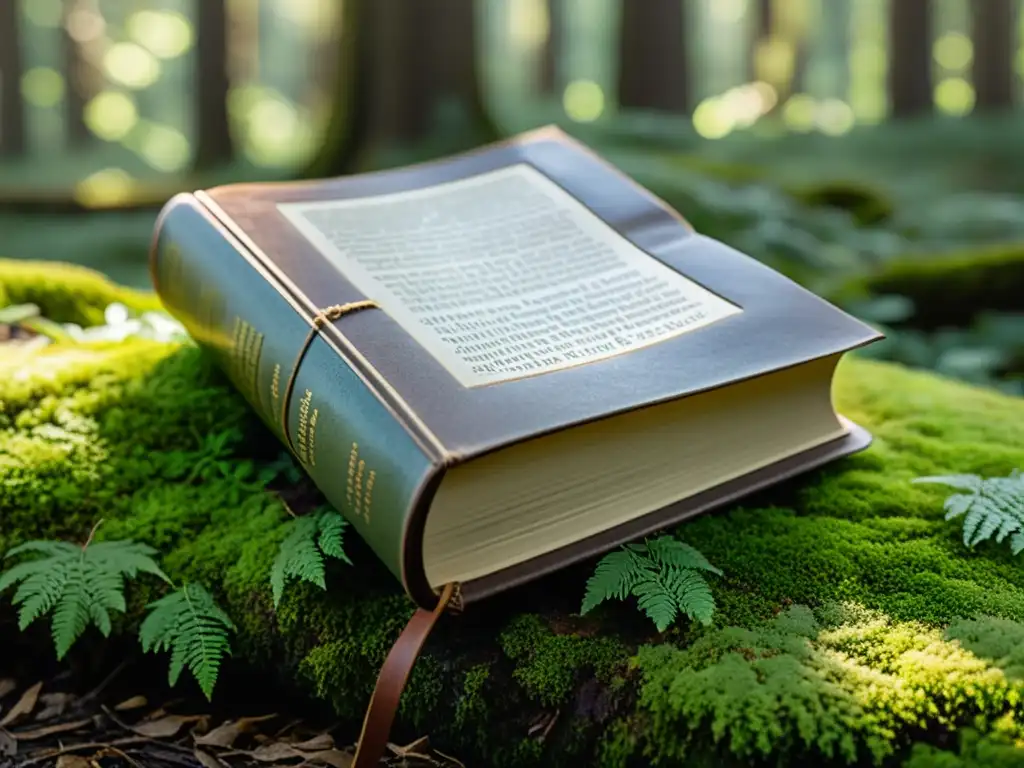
x,y
272,753
452,762
24,706
135,702
49,730
207,760
8,744
333,757
165,727
225,735
7,686
73,761
315,744
54,705
418,748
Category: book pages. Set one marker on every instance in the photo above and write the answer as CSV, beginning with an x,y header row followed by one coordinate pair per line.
x,y
505,275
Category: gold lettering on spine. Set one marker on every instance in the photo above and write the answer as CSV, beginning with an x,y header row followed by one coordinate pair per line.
x,y
303,438
359,489
368,496
275,390
312,436
246,346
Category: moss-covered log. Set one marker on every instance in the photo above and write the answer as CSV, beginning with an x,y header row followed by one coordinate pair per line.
x,y
853,626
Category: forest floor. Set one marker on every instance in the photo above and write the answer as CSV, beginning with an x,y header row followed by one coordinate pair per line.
x,y
126,717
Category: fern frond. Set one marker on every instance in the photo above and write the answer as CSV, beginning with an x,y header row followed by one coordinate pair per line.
x,y
301,554
332,531
193,627
616,575
80,585
992,507
656,600
670,552
665,575
692,594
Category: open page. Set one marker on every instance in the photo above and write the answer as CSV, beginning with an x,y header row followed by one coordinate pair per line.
x,y
505,275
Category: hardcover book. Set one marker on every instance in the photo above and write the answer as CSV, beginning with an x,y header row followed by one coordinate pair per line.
x,y
505,361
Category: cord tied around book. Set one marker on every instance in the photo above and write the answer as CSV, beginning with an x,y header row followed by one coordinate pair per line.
x,y
321,318
380,714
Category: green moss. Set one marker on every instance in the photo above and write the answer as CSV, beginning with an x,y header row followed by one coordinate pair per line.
x,y
854,693
930,642
550,665
67,293
951,289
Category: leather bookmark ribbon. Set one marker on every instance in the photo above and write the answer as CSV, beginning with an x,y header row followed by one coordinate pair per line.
x,y
380,715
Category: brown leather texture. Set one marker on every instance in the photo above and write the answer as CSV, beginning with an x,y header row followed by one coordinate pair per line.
x,y
380,715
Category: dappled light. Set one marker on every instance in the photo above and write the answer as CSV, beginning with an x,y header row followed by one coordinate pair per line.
x,y
519,383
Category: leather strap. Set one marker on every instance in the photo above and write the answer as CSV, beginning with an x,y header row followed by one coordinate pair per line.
x,y
380,715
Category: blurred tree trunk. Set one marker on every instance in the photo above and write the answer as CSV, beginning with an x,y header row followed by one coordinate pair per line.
x,y
910,57
762,32
550,64
12,108
214,144
80,76
416,85
653,67
994,32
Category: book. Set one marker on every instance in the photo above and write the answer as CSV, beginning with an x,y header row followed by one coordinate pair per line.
x,y
505,361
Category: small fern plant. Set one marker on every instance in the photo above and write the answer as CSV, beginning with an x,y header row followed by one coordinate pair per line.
x,y
301,555
992,506
81,585
190,625
665,575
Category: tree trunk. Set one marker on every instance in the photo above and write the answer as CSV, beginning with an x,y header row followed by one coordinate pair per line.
x,y
12,108
994,30
214,144
416,80
550,65
653,67
78,76
910,69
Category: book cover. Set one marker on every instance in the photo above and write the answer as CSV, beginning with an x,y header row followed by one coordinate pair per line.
x,y
505,361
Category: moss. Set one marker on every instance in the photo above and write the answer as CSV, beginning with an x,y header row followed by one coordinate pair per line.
x,y
903,635
550,666
951,289
67,293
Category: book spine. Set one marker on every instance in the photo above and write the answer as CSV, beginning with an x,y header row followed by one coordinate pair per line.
x,y
355,449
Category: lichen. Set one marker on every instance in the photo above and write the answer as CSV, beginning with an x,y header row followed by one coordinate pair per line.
x,y
902,634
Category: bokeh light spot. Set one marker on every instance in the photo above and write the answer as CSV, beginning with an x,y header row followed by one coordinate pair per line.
x,y
164,33
111,186
953,51
799,112
111,115
954,96
164,148
834,117
42,86
131,65
583,101
711,119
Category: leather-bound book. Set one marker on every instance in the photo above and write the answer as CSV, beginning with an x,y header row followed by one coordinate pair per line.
x,y
502,362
